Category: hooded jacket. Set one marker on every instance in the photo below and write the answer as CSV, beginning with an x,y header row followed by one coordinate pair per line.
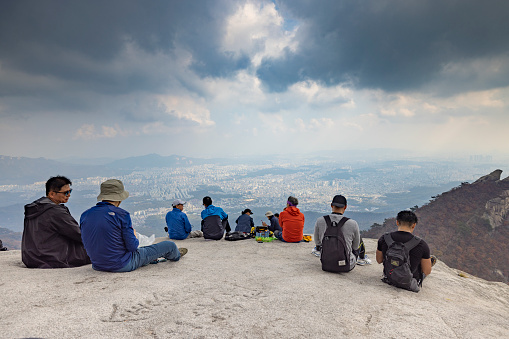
x,y
51,237
214,223
291,221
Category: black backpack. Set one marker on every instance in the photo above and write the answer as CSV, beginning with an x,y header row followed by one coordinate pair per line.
x,y
335,256
236,235
2,248
397,271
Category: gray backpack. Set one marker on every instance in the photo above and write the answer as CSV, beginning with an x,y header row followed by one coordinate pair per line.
x,y
397,271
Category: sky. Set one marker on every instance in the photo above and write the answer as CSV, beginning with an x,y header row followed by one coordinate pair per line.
x,y
233,78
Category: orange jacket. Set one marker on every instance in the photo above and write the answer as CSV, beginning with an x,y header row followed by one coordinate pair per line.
x,y
292,222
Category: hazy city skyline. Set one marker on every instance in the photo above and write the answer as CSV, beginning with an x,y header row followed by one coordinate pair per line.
x,y
231,78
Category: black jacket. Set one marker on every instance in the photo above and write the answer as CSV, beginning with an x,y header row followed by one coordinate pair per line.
x,y
51,237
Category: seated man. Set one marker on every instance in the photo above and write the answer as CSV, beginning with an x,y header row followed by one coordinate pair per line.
x,y
177,223
350,229
291,221
214,221
274,222
51,236
245,221
109,236
419,254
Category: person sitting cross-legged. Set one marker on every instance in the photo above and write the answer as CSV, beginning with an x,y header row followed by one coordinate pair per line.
x,y
214,221
110,239
291,221
177,223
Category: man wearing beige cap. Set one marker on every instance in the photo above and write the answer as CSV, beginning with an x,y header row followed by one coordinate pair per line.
x,y
110,239
274,222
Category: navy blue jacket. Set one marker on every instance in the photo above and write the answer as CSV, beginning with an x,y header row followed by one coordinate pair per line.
x,y
244,223
108,236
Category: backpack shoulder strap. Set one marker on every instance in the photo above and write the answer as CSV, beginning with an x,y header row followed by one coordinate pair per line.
x,y
333,229
342,222
327,220
388,239
410,244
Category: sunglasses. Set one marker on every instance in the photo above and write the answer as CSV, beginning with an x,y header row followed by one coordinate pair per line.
x,y
66,193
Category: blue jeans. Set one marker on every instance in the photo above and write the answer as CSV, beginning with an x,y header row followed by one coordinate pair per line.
x,y
144,255
279,234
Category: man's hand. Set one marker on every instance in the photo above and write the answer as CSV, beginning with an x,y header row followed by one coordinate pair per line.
x,y
264,223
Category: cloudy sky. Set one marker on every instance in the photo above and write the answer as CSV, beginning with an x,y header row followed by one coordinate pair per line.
x,y
219,78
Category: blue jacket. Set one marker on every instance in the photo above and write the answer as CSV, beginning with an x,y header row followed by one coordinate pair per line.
x,y
274,224
244,223
108,236
213,210
178,224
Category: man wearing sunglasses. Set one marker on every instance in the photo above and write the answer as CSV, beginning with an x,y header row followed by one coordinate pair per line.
x,y
51,236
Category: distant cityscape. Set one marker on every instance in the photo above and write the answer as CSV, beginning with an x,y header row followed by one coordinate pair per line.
x,y
371,187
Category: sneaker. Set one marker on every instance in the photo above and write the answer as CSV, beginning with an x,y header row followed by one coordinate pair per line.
x,y
157,261
365,261
433,260
182,251
316,252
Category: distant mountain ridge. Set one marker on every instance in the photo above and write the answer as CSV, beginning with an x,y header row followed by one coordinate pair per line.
x,y
155,160
466,227
10,239
22,170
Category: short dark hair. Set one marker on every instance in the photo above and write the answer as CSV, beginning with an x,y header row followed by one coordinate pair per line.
x,y
293,200
56,183
407,217
207,201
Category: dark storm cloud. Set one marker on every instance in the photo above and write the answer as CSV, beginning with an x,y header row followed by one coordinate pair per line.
x,y
391,44
77,42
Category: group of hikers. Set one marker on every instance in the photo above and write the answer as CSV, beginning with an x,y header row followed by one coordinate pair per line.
x,y
105,237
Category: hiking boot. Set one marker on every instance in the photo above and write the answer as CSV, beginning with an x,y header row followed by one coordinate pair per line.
x,y
433,260
182,251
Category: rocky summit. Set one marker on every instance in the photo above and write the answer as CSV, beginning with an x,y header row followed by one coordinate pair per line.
x,y
245,289
466,227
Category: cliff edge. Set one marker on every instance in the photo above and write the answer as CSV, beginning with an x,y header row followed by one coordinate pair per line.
x,y
244,289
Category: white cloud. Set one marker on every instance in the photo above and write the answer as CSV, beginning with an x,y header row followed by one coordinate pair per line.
x,y
187,108
314,93
257,31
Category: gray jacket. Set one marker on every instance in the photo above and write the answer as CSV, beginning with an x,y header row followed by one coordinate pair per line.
x,y
350,232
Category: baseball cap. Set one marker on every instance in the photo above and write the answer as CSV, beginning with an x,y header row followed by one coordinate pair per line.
x,y
339,201
177,202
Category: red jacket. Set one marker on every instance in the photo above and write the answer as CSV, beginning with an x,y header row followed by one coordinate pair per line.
x,y
292,222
